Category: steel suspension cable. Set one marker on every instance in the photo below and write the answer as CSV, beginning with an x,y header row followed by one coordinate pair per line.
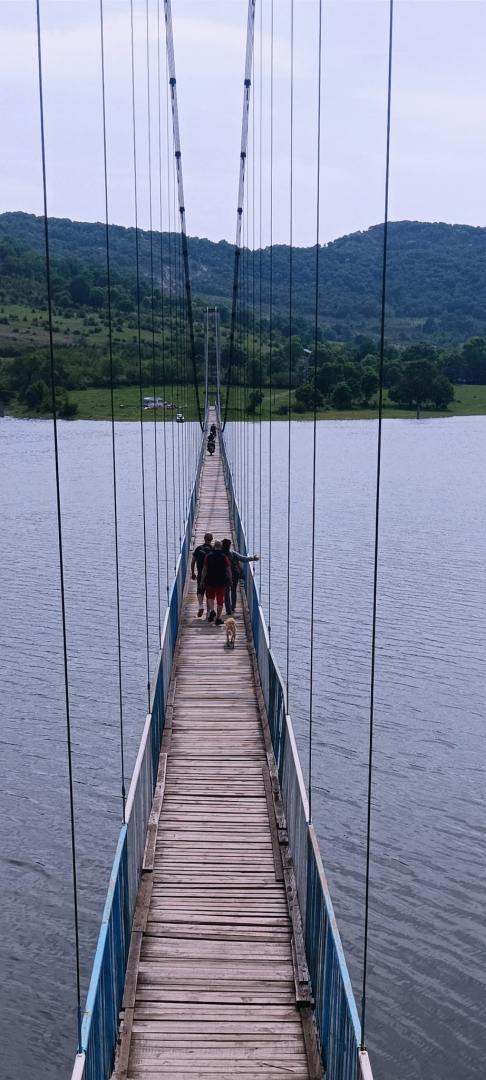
x,y
248,352
171,317
260,295
291,267
156,461
139,324
241,191
270,358
314,432
177,344
180,189
377,528
112,403
59,532
253,319
164,388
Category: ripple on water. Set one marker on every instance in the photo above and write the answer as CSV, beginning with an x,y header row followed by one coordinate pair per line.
x,y
426,1018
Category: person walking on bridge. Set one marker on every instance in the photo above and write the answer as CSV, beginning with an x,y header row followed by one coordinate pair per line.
x,y
236,574
198,558
215,577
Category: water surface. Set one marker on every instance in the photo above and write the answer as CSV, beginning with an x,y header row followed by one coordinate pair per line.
x,y
427,973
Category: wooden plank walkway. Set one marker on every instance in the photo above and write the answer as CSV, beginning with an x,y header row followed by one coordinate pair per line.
x,y
210,988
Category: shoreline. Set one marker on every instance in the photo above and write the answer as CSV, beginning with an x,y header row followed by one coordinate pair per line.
x,y
148,416
95,404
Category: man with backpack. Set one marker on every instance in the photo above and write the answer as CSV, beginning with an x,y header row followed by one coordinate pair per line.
x,y
197,562
215,577
237,574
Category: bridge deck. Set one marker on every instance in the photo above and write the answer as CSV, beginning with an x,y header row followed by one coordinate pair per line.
x,y
210,986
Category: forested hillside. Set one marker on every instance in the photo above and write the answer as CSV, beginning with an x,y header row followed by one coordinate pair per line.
x,y
436,274
435,270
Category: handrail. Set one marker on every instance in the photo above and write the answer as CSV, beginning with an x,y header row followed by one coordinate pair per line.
x,y
335,1008
100,1022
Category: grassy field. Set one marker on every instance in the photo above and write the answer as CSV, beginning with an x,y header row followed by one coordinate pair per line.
x,y
25,325
96,405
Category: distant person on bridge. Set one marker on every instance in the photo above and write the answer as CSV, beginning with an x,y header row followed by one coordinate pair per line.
x,y
216,576
197,562
236,574
211,446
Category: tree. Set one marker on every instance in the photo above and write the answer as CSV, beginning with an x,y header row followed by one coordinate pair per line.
x,y
305,397
342,396
292,350
36,393
98,297
255,399
419,352
442,392
369,383
392,374
351,374
416,384
328,376
454,366
364,347
474,356
80,290
66,409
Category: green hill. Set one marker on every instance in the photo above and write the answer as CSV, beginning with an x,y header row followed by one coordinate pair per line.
x,y
436,275
436,317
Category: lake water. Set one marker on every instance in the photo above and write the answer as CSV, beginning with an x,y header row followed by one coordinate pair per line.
x,y
427,972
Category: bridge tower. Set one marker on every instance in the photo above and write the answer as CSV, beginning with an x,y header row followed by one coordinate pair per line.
x,y
212,358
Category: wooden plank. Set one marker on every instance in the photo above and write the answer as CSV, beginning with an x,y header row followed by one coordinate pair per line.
x,y
132,971
123,1055
153,824
277,859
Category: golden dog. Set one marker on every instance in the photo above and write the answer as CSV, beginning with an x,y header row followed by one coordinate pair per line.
x,y
230,633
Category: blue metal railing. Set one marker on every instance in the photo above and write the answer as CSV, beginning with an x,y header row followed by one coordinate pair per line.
x,y
103,1003
334,1004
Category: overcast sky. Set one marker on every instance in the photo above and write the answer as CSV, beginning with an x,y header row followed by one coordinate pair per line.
x,y
438,128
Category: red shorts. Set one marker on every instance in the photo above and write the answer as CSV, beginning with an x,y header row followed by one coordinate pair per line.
x,y
216,592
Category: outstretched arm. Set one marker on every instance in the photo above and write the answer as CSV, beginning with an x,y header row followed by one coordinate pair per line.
x,y
245,558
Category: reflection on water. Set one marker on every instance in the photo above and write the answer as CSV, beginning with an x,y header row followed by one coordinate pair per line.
x,y
427,971
427,935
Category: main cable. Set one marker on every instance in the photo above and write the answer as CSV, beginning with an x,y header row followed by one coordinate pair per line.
x,y
112,402
314,438
59,530
180,189
241,192
377,531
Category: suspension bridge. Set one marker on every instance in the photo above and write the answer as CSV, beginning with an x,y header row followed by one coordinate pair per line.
x,y
219,953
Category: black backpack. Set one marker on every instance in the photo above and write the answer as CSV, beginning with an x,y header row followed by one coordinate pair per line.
x,y
200,553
